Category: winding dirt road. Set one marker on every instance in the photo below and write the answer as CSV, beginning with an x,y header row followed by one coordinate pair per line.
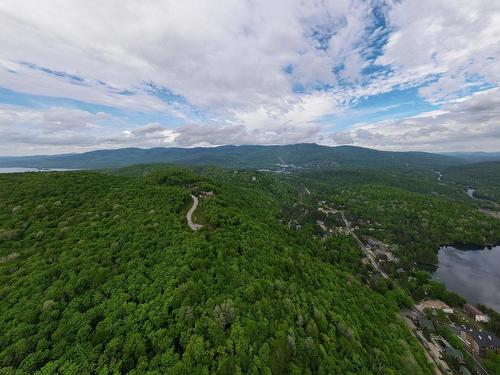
x,y
189,215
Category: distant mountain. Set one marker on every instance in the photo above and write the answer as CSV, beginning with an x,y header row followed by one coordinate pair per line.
x,y
264,157
475,156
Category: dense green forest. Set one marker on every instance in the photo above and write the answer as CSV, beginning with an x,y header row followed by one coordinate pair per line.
x,y
100,274
409,209
484,177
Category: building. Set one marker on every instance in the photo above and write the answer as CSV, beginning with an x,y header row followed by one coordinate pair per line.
x,y
480,342
426,324
482,318
472,310
475,313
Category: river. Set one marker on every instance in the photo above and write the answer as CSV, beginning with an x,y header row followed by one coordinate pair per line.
x,y
473,274
470,193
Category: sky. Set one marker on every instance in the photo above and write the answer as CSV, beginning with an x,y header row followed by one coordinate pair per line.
x,y
392,75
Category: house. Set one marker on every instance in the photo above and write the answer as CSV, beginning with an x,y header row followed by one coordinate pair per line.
x,y
480,342
448,311
471,310
482,318
426,324
475,313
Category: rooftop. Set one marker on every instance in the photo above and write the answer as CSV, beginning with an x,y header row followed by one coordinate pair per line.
x,y
484,338
472,309
426,324
454,353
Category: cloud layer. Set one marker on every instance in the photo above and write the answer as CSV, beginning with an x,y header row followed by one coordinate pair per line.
x,y
471,123
244,72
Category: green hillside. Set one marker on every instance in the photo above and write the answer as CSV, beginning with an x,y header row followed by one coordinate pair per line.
x,y
100,274
484,177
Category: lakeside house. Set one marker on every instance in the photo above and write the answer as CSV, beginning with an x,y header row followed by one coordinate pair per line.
x,y
475,313
480,342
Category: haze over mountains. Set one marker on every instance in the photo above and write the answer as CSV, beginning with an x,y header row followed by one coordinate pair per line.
x,y
247,156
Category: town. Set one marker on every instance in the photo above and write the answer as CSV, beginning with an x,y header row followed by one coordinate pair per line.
x,y
454,338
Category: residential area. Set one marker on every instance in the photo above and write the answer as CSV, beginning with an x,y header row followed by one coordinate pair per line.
x,y
454,338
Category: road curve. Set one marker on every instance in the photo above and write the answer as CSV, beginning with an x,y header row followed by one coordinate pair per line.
x,y
189,215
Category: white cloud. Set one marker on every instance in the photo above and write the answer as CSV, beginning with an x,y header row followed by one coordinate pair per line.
x,y
221,54
471,124
237,62
26,131
455,41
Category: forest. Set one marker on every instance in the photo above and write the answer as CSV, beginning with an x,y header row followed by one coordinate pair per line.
x,y
407,208
100,274
484,177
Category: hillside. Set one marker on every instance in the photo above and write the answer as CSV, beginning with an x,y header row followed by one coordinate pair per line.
x,y
263,157
484,177
100,274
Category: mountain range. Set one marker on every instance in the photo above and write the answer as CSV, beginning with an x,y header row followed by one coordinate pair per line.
x,y
305,155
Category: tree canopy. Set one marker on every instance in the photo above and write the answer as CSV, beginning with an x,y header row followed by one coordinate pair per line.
x,y
100,274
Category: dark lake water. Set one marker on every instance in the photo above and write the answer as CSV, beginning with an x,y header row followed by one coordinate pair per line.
x,y
474,274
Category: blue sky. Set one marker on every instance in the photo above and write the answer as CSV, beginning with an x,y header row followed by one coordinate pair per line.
x,y
396,75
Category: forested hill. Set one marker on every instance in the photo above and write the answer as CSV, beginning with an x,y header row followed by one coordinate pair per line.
x,y
484,177
271,157
100,274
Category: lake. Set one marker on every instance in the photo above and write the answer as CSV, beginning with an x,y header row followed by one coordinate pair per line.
x,y
24,170
474,274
